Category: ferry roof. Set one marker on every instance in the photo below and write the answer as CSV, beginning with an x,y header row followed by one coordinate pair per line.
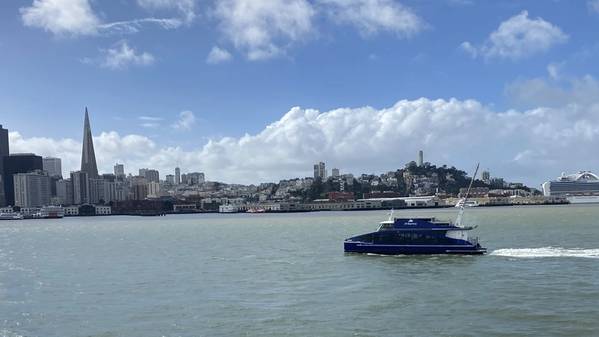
x,y
411,224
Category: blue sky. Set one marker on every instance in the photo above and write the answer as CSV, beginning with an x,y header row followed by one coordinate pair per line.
x,y
142,66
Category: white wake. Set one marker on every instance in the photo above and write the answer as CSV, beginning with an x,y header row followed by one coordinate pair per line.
x,y
547,252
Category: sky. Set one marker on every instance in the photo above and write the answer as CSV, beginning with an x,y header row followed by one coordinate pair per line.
x,y
251,91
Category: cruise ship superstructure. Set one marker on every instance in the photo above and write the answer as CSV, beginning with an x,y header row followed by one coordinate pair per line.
x,y
581,187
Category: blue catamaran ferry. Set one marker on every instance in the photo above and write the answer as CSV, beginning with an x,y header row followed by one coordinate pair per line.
x,y
417,236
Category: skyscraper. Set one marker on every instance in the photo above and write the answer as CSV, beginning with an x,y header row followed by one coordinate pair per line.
x,y
3,153
150,174
32,189
88,156
53,166
80,183
119,170
320,171
18,163
177,176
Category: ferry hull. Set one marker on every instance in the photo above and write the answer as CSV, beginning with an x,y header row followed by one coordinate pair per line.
x,y
368,248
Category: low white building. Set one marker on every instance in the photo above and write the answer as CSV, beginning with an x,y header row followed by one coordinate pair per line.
x,y
103,210
71,210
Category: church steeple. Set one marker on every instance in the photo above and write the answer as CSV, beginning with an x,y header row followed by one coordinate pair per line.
x,y
88,156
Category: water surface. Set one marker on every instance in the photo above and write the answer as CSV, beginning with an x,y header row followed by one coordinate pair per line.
x,y
287,275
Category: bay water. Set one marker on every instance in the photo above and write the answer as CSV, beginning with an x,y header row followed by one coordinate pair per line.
x,y
287,275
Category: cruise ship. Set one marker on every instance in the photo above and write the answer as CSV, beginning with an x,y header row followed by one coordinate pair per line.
x,y
578,188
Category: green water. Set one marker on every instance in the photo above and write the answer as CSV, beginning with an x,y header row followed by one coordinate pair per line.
x,y
287,275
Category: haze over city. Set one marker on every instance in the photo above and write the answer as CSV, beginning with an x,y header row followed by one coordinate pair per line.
x,y
245,95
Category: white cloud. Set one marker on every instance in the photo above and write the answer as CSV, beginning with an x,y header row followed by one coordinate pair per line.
x,y
185,121
185,7
121,56
519,37
372,16
76,18
530,145
526,93
469,48
554,70
150,118
150,122
61,17
218,55
264,29
593,5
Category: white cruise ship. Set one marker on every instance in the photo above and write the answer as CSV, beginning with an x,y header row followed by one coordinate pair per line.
x,y
578,188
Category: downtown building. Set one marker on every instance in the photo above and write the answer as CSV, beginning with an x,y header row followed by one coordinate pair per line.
x,y
32,189
14,164
320,171
53,166
4,152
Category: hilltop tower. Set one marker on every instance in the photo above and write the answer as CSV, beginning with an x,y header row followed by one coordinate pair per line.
x,y
88,156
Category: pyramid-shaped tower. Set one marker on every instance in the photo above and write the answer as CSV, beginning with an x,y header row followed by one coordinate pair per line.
x,y
88,156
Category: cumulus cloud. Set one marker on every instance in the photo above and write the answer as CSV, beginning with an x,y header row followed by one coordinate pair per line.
x,y
528,145
218,55
264,29
583,91
121,56
185,121
373,16
518,37
76,18
61,17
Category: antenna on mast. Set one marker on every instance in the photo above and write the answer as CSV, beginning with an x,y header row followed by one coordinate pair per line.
x,y
458,221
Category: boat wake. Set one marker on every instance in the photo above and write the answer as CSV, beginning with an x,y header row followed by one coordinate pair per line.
x,y
547,252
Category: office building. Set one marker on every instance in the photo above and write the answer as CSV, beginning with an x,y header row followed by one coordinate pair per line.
x,y
139,191
4,152
139,188
320,171
486,176
335,173
119,170
177,176
64,192
88,156
153,189
31,189
170,179
96,191
152,175
80,182
53,166
18,163
195,178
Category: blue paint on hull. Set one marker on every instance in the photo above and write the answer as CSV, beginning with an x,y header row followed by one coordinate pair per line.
x,y
362,247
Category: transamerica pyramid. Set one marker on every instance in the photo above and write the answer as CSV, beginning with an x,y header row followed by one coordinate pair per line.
x,y
88,156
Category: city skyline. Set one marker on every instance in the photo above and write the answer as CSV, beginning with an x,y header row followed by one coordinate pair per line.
x,y
330,83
